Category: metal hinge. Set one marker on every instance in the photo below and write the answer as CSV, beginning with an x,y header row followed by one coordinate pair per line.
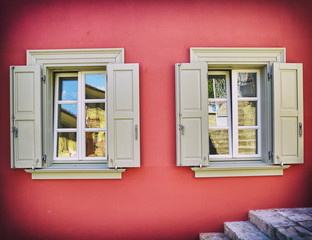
x,y
15,131
181,128
43,78
270,154
44,157
269,76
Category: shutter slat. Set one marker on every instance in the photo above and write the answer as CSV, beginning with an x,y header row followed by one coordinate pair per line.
x,y
288,113
123,115
26,141
192,114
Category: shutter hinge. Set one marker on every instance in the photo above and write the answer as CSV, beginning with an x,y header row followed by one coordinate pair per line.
x,y
269,76
270,154
44,157
43,78
181,128
180,114
15,131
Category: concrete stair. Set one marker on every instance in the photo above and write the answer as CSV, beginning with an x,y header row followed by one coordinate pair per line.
x,y
275,224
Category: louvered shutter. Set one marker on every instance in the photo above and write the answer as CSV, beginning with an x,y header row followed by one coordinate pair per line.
x,y
26,135
192,114
123,115
288,113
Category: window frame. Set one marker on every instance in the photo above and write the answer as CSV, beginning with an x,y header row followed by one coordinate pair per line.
x,y
231,58
67,60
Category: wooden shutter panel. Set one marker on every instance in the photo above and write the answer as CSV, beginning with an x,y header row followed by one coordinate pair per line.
x,y
123,115
192,114
26,135
288,113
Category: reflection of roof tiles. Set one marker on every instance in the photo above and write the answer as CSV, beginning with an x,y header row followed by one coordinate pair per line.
x,y
97,92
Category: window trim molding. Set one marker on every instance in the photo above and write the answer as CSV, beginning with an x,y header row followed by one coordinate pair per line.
x,y
237,56
71,58
75,57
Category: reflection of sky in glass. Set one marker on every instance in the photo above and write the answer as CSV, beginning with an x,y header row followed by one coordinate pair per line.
x,y
68,89
96,80
71,108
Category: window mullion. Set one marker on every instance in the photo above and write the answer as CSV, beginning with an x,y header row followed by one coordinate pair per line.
x,y
235,114
80,116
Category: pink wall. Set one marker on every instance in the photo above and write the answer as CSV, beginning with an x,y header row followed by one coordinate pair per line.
x,y
158,200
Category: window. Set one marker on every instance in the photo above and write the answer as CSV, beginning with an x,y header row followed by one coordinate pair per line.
x,y
234,114
79,117
75,114
239,112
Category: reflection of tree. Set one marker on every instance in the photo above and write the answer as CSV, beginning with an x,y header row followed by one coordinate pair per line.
x,y
216,86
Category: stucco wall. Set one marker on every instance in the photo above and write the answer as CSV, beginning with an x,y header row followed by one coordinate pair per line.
x,y
158,200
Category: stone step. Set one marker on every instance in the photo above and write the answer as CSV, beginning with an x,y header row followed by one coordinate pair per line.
x,y
213,236
243,230
284,223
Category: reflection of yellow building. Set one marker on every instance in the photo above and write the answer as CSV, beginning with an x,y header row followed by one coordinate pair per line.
x,y
67,144
95,115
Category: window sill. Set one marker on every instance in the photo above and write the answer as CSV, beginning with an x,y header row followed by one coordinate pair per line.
x,y
238,169
76,171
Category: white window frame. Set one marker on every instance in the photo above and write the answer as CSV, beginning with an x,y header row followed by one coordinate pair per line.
x,y
229,110
242,58
80,129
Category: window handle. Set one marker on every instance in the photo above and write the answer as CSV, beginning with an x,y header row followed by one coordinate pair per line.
x,y
300,129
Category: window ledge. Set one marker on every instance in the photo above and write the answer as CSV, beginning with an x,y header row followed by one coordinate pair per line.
x,y
76,171
238,169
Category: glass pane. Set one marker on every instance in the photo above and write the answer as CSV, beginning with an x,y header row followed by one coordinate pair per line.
x,y
66,144
218,114
95,86
68,88
95,144
218,142
67,116
247,85
95,115
247,141
247,113
217,86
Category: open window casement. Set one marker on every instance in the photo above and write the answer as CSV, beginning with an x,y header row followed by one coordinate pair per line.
x,y
192,114
33,109
123,115
288,113
26,138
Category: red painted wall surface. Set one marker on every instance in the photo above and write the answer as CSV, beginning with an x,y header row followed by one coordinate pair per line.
x,y
158,200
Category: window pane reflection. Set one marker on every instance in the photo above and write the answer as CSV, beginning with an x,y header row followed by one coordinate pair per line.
x,y
218,142
218,114
217,86
95,86
67,116
95,115
247,141
247,85
66,144
68,88
95,144
247,113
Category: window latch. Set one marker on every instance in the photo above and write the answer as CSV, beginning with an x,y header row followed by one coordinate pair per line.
x,y
300,129
181,128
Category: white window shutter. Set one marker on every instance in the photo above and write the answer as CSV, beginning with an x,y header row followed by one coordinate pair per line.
x,y
192,114
123,115
288,113
26,135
